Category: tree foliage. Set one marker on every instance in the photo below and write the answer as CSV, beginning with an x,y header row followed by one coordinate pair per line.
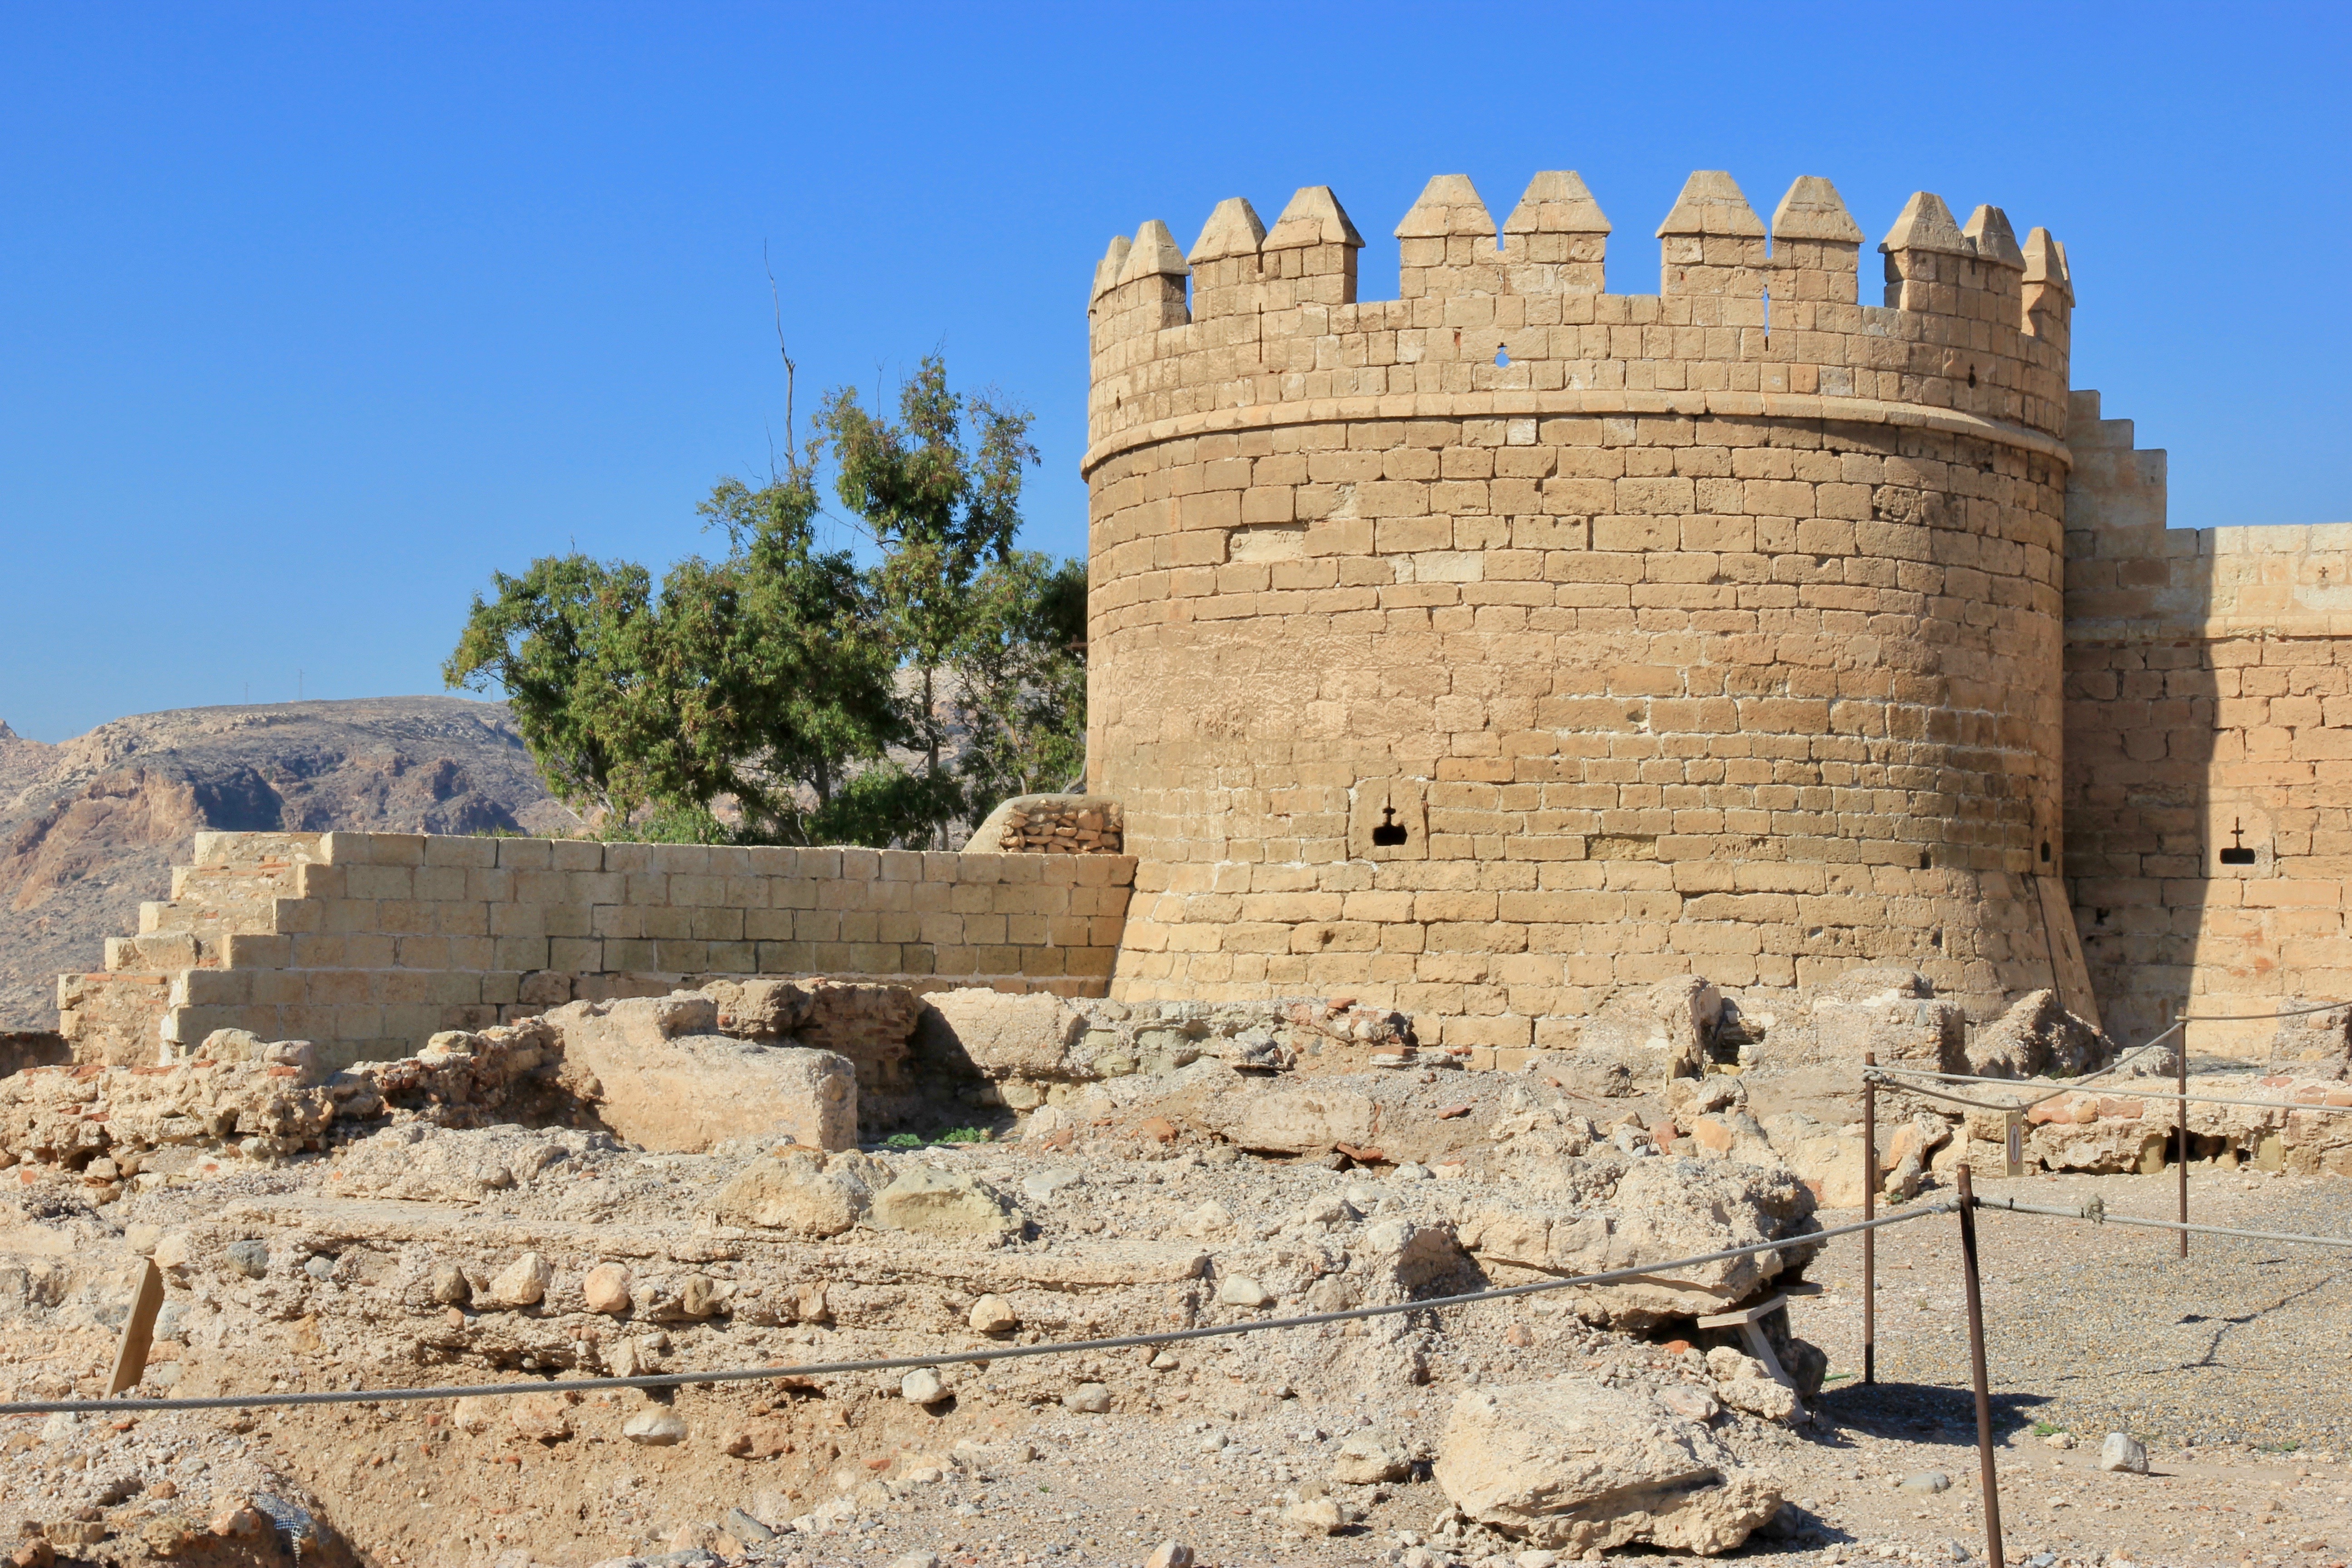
x,y
760,698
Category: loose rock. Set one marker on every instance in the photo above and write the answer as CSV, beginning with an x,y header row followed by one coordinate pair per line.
x,y
2123,1454
607,1289
654,1428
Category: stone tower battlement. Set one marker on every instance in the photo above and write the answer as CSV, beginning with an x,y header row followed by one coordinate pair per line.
x,y
1972,333
1479,651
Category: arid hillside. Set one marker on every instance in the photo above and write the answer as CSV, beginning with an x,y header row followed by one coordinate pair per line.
x,y
88,827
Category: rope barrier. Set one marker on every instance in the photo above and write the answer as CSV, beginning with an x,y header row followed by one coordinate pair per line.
x,y
894,1364
2095,1211
1881,1075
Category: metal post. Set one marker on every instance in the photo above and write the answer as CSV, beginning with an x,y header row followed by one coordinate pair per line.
x,y
2180,1079
1989,1482
1869,1212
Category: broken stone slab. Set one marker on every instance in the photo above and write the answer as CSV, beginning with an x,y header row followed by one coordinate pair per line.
x,y
997,1037
1577,1463
663,1079
1604,1212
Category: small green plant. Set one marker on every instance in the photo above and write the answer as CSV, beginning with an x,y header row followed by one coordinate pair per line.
x,y
962,1135
902,1140
2046,1430
2286,1447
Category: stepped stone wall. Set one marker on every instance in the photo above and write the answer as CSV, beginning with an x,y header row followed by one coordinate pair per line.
x,y
1483,650
2208,752
368,943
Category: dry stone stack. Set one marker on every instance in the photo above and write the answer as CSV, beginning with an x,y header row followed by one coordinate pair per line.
x,y
1484,649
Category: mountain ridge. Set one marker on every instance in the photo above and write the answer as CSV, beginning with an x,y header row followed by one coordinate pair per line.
x,y
89,827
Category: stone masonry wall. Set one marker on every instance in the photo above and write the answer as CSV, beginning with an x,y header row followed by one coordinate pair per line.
x,y
368,943
1478,652
2208,752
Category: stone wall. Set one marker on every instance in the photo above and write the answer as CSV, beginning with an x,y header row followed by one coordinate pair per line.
x,y
1481,651
2208,752
368,943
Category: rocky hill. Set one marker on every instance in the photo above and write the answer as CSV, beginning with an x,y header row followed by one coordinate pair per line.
x,y
88,827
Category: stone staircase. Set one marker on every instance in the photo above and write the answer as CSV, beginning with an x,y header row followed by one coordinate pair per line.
x,y
229,890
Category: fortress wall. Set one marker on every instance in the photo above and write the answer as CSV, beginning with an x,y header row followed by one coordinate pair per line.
x,y
1670,645
2209,707
387,938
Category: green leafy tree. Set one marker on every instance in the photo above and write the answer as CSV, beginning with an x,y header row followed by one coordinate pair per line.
x,y
758,679
759,697
992,637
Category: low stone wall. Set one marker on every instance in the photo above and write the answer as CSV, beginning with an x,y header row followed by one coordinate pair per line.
x,y
367,944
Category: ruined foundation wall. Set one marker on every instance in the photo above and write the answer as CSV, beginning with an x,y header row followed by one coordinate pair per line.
x,y
2208,752
1477,652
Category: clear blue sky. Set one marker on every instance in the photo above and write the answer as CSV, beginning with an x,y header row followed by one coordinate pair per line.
x,y
311,316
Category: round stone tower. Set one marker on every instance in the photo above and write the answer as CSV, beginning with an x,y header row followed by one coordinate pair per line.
x,y
1479,651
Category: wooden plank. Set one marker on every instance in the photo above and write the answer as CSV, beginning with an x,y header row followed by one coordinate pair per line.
x,y
2072,976
138,1330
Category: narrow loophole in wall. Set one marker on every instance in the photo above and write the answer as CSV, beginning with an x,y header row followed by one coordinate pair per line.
x,y
1936,940
1923,861
1388,832
1502,356
2045,852
2237,854
1972,375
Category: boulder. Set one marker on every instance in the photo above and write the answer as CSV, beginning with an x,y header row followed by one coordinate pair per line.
x,y
1604,1212
1575,1464
1002,1037
799,1193
663,1078
928,1201
2037,1036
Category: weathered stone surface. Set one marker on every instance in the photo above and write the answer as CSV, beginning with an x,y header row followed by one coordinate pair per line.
x,y
426,1164
799,1193
1304,1120
523,1282
1893,1013
1371,1456
1003,1037
1602,1212
664,1080
933,1202
1828,1160
2037,1036
654,1428
606,1289
1577,1463
1657,1031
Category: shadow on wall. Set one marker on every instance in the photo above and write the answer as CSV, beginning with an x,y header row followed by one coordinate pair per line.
x,y
37,1049
2208,749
